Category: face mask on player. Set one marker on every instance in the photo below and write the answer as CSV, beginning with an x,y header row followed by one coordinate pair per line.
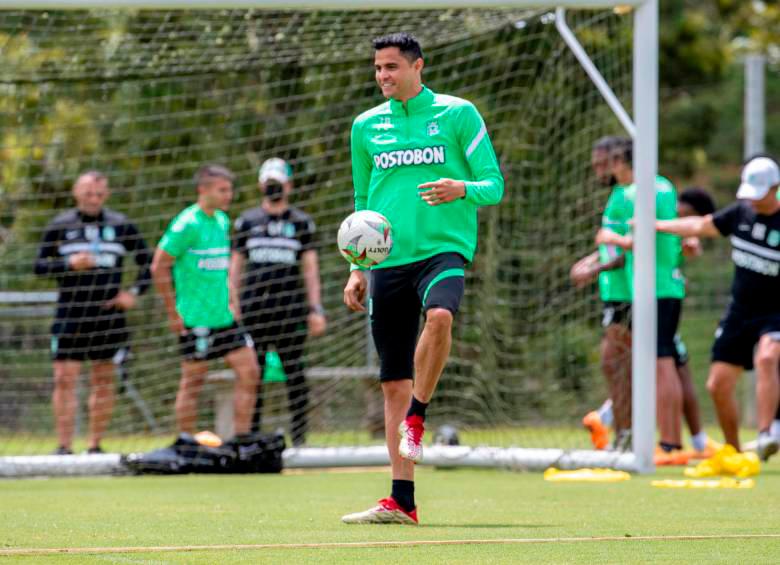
x,y
274,191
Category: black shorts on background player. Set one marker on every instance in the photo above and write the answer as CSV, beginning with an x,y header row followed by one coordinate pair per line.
x,y
616,313
738,333
398,297
97,338
755,307
205,344
668,313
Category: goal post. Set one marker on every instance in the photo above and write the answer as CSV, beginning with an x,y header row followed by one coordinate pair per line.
x,y
484,357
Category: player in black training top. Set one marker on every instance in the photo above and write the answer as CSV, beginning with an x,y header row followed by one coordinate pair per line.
x,y
753,316
274,269
84,249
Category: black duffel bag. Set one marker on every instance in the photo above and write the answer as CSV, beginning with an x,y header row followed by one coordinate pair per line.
x,y
250,453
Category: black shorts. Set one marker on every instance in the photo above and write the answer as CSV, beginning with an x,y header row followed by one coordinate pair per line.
x,y
668,311
97,338
399,295
738,334
204,344
270,323
616,313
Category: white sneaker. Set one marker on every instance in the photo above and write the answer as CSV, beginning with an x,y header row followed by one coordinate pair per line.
x,y
411,431
766,446
387,511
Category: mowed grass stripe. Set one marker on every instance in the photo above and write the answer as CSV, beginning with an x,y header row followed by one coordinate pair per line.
x,y
374,544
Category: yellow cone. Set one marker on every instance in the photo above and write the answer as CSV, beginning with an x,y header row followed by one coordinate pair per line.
x,y
726,461
585,475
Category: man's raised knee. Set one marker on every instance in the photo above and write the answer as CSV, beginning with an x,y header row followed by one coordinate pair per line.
x,y
438,319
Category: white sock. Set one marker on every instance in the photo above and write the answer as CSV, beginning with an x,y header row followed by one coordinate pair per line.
x,y
699,441
605,413
774,429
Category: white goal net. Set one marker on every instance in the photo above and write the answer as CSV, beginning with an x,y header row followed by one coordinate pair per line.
x,y
149,96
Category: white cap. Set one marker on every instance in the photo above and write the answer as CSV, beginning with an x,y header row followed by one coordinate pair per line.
x,y
758,176
275,169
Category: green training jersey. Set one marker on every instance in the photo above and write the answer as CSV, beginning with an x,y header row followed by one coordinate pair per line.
x,y
201,245
669,280
614,285
396,147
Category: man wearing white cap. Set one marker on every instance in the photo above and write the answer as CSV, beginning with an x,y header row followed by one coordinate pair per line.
x,y
280,290
749,333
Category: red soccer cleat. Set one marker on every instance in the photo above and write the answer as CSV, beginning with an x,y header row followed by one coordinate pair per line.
x,y
387,511
411,431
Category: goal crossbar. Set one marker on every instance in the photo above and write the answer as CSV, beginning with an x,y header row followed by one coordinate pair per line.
x,y
298,4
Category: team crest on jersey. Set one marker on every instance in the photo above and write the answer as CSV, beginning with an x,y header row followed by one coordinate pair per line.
x,y
759,231
432,128
109,233
774,238
289,230
384,139
92,233
383,124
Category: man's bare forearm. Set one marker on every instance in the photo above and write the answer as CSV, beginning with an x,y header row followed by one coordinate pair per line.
x,y
692,226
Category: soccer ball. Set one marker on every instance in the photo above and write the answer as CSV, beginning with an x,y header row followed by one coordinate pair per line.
x,y
365,238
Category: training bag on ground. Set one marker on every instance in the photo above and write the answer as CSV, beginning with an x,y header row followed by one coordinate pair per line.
x,y
251,453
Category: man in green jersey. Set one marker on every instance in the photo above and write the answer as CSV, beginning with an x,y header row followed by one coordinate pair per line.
x,y
692,201
425,161
196,249
670,287
608,263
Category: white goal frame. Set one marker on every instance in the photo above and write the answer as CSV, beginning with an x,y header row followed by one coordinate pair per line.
x,y
645,134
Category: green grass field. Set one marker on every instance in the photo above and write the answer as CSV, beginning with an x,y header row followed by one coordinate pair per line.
x,y
455,506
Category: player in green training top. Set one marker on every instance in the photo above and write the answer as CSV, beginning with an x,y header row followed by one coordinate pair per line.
x,y
670,287
196,248
608,264
425,161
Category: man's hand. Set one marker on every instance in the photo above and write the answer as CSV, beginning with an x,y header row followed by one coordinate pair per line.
x,y
585,270
355,291
608,237
317,324
691,247
442,191
81,261
122,301
176,324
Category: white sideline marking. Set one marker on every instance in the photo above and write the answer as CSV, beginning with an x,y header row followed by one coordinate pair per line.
x,y
372,544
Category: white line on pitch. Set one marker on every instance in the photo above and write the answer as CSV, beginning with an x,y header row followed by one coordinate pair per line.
x,y
372,544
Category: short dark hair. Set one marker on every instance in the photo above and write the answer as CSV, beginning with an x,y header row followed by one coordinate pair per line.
x,y
616,146
606,143
407,44
624,150
698,199
213,171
